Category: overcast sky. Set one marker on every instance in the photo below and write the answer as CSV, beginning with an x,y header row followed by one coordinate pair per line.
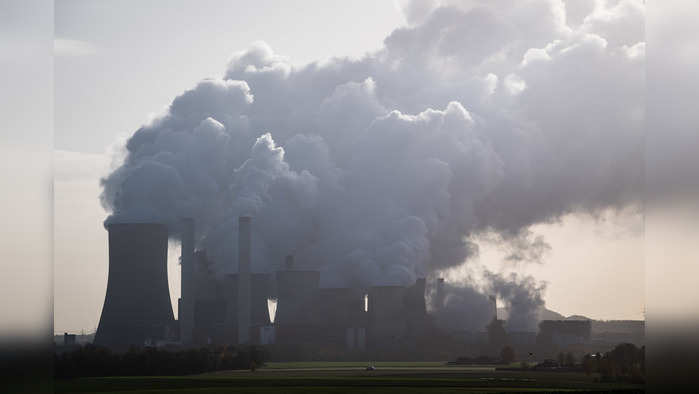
x,y
119,65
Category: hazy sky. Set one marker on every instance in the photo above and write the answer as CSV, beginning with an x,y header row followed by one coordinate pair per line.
x,y
118,64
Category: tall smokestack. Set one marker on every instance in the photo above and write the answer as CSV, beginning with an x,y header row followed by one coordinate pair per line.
x,y
244,246
186,311
440,293
494,300
137,304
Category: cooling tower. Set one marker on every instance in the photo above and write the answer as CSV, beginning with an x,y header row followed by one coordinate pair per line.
x,y
185,314
244,293
137,303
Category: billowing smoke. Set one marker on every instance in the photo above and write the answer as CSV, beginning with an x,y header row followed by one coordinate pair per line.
x,y
377,170
467,305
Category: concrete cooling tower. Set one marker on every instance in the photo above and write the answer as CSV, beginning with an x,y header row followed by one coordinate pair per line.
x,y
137,305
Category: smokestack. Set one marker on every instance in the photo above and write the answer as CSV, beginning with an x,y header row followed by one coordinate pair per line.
x,y
137,304
244,246
440,293
494,300
186,311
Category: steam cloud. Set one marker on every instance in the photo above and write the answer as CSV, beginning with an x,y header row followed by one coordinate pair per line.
x,y
377,170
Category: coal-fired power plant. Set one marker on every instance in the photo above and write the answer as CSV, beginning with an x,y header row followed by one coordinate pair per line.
x,y
137,306
216,308
310,322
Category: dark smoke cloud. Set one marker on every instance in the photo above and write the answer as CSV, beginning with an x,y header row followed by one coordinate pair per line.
x,y
381,169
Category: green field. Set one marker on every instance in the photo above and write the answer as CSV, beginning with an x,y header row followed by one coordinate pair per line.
x,y
350,377
353,364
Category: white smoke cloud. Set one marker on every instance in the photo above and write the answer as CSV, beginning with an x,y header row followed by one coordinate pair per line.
x,y
471,119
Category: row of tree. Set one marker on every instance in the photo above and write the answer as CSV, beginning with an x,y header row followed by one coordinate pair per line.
x,y
624,362
90,360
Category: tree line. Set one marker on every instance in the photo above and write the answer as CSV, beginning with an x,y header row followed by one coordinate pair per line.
x,y
91,360
624,362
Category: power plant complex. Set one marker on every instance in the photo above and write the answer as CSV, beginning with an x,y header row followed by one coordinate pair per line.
x,y
234,308
309,321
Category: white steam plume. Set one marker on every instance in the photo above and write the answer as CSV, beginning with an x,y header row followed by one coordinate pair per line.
x,y
378,170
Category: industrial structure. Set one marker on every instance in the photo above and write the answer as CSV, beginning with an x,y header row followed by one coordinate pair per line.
x,y
233,308
310,322
137,305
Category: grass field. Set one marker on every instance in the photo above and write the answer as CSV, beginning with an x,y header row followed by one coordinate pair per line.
x,y
353,364
350,377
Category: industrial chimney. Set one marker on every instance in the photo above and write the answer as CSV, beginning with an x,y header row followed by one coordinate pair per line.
x,y
494,301
186,304
244,246
440,294
137,305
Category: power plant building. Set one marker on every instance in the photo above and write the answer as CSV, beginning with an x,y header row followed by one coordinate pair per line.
x,y
233,308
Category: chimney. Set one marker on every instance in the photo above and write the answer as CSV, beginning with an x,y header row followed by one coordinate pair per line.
x,y
186,311
494,300
440,293
244,246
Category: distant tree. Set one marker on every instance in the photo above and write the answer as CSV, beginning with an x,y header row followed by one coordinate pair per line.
x,y
91,360
625,361
507,355
598,359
